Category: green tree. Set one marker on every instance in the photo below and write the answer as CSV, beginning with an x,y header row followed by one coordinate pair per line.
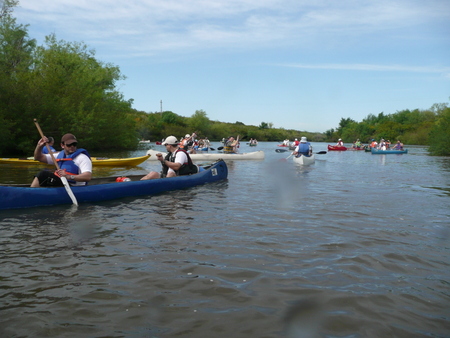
x,y
199,123
16,50
438,138
72,91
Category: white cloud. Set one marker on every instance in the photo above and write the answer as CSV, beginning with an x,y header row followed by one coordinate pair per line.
x,y
153,25
369,67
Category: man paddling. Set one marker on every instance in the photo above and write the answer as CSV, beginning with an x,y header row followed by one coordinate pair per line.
x,y
304,148
75,164
176,163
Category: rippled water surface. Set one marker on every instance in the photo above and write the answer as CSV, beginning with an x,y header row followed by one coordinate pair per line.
x,y
356,245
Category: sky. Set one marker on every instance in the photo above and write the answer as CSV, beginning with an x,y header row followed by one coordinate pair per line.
x,y
297,64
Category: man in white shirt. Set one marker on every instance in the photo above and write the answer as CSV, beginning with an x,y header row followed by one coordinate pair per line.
x,y
177,162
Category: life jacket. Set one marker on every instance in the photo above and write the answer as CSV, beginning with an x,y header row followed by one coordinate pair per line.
x,y
45,150
187,168
186,143
304,148
67,163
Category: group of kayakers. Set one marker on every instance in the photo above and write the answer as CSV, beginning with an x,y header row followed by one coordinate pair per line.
x,y
382,145
386,145
191,144
74,164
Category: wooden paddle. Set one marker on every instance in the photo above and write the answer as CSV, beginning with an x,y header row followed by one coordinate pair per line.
x,y
63,179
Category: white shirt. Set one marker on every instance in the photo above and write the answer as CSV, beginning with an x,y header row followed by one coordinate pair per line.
x,y
180,157
83,162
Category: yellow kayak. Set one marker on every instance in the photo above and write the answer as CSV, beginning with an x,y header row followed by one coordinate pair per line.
x,y
96,161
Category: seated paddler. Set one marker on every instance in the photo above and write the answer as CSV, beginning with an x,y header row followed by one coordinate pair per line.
x,y
177,162
231,145
304,148
74,164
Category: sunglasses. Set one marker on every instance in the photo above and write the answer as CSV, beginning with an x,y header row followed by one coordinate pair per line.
x,y
74,144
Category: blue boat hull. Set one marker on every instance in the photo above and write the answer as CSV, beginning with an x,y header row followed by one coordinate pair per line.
x,y
391,151
13,197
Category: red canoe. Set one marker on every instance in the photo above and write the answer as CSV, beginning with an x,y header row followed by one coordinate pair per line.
x,y
338,148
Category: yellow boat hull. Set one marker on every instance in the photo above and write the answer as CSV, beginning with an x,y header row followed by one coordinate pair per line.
x,y
96,161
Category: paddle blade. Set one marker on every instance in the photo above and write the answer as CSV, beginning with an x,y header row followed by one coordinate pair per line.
x,y
69,191
280,150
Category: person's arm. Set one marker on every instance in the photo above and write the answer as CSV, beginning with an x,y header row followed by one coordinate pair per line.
x,y
172,165
83,177
85,164
180,159
38,155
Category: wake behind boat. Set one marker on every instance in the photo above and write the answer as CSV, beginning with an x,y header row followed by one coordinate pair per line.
x,y
103,189
256,155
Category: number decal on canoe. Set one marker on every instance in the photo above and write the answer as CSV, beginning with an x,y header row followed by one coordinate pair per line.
x,y
214,171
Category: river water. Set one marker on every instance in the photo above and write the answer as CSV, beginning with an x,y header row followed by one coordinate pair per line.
x,y
356,245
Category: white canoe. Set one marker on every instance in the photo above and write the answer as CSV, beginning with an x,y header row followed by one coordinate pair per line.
x,y
302,160
256,155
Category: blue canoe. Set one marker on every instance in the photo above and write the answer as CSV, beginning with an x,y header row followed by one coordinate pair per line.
x,y
390,151
102,189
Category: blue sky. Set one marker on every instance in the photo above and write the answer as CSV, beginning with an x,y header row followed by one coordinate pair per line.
x,y
298,64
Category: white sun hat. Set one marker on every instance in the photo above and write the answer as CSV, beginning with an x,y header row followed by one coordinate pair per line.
x,y
172,140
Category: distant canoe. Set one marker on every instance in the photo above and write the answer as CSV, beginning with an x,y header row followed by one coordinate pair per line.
x,y
336,148
256,155
96,161
390,151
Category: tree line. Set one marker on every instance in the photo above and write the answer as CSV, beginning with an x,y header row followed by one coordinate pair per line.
x,y
67,89
156,126
420,127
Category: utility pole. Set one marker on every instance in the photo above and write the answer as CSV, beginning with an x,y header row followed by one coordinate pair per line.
x,y
161,106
